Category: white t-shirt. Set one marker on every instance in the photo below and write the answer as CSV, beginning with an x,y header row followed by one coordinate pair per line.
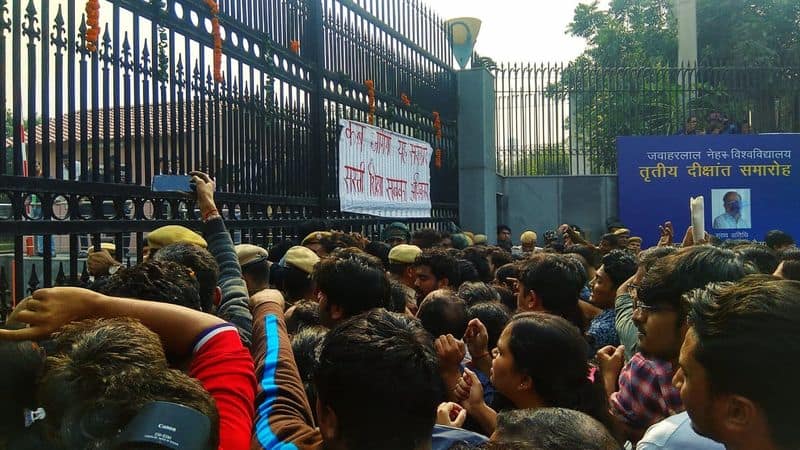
x,y
676,433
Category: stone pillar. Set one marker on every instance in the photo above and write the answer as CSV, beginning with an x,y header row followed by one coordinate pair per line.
x,y
477,164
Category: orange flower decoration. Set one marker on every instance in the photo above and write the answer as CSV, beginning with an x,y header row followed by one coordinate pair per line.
x,y
437,159
93,22
404,98
214,9
294,45
212,5
437,125
371,99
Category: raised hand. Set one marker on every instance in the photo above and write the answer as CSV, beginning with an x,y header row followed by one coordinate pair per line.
x,y
451,414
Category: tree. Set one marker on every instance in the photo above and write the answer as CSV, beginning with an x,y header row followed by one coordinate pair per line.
x,y
730,32
759,33
631,33
627,81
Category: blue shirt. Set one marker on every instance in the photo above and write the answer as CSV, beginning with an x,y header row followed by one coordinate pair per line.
x,y
603,331
443,437
729,222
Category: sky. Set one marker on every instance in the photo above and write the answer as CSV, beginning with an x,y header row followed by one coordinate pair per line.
x,y
525,31
520,30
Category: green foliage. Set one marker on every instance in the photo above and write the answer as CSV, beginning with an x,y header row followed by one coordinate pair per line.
x,y
631,33
552,160
627,82
749,33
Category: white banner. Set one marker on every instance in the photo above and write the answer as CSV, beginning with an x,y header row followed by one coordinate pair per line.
x,y
383,173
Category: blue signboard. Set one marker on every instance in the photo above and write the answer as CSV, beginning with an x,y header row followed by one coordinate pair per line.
x,y
748,183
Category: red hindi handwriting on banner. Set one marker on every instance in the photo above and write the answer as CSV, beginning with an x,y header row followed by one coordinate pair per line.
x,y
354,178
355,135
419,189
382,172
375,182
403,150
419,155
383,143
396,189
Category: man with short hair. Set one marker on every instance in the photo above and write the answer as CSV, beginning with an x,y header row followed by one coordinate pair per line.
x,y
498,258
553,429
348,286
442,313
778,240
504,237
732,217
401,260
723,363
158,281
612,241
552,283
377,358
434,269
255,267
691,127
426,238
204,266
642,393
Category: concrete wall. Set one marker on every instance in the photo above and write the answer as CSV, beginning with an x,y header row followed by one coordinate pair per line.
x,y
544,202
537,203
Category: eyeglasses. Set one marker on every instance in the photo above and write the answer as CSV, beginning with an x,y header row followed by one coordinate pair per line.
x,y
648,308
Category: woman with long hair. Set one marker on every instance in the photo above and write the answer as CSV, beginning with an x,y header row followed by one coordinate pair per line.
x,y
540,361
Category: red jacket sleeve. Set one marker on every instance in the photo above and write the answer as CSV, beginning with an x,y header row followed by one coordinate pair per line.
x,y
224,367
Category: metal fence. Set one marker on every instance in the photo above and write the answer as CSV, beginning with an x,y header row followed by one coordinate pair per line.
x,y
564,119
87,130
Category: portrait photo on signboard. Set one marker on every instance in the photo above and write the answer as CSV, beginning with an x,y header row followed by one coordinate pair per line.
x,y
730,209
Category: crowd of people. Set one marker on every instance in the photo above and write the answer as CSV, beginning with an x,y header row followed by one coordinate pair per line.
x,y
716,123
419,340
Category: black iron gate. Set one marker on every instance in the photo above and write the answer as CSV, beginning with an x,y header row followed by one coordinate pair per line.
x,y
96,104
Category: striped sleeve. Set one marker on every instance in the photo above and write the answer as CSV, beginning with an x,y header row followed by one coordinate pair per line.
x,y
283,415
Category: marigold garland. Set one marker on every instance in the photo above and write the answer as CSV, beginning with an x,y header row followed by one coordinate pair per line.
x,y
93,22
404,98
437,126
371,99
214,9
294,46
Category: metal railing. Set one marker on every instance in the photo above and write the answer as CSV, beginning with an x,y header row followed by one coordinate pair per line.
x,y
87,130
555,119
